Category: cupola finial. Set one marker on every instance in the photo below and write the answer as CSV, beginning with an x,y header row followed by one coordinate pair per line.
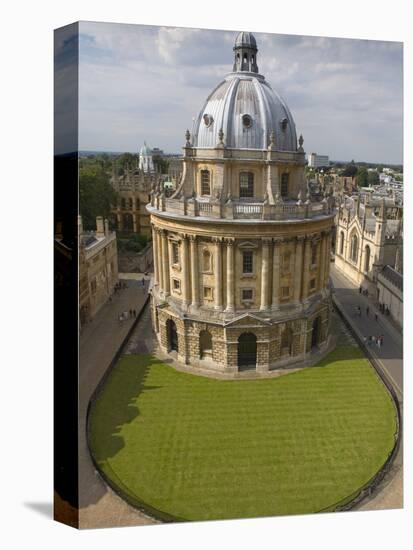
x,y
245,51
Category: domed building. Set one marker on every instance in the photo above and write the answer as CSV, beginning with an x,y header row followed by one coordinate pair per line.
x,y
145,159
241,254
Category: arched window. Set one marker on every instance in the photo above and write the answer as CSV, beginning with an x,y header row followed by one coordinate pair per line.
x,y
367,258
205,344
205,182
284,184
206,261
342,243
172,335
130,203
123,203
246,185
354,248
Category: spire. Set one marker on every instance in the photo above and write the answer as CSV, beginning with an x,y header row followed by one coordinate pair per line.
x,y
245,53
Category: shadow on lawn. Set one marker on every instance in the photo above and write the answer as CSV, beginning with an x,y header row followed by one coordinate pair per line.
x,y
115,405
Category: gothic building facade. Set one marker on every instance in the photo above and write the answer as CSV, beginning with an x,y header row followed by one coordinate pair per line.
x,y
369,236
241,254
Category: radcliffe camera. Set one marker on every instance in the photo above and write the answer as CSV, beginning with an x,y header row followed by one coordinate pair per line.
x,y
229,266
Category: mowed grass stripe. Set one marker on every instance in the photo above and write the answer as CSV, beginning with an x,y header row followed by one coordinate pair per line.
x,y
199,448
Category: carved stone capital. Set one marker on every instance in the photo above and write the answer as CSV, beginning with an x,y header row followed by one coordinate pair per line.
x,y
229,241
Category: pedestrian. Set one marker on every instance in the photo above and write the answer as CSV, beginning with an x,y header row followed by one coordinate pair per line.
x,y
359,310
367,311
376,317
381,340
360,289
143,281
369,340
130,313
373,339
378,342
134,313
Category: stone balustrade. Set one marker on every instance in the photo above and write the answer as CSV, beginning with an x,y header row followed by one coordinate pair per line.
x,y
238,210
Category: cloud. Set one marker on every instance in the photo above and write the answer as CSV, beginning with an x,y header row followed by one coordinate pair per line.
x,y
143,82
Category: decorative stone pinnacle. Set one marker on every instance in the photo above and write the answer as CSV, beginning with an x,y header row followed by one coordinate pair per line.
x,y
272,140
221,136
301,141
188,138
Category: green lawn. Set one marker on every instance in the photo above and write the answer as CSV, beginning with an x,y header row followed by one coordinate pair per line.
x,y
196,448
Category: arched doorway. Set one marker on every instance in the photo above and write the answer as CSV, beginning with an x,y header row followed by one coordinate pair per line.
x,y
367,258
315,334
205,344
247,351
172,335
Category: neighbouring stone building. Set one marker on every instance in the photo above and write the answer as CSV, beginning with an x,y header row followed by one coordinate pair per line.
x,y
369,236
390,292
134,185
98,268
241,254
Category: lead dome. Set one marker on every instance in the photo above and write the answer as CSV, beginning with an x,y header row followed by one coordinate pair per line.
x,y
245,107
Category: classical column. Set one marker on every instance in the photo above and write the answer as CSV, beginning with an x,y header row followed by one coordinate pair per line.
x,y
218,273
306,267
264,273
298,268
276,273
159,256
120,221
322,262
135,225
155,256
230,274
165,263
327,260
185,272
194,271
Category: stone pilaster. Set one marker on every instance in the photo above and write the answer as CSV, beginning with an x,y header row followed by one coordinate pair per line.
x,y
185,272
165,263
322,262
135,224
306,267
265,268
298,268
230,274
155,256
276,274
194,271
327,259
218,273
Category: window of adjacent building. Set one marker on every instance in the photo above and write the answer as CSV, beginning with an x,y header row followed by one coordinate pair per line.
x,y
206,261
312,284
205,182
284,184
246,185
130,203
175,253
314,254
354,248
341,243
176,284
208,295
247,265
247,294
123,202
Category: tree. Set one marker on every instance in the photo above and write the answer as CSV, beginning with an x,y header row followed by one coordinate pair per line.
x,y
350,170
161,163
96,195
373,178
362,177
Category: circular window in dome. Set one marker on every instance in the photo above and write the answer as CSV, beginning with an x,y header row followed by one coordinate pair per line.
x,y
284,124
247,121
208,120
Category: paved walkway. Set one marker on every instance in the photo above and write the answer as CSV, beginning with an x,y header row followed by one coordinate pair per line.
x,y
390,359
99,342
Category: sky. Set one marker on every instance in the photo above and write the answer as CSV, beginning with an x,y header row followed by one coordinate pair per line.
x,y
148,83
